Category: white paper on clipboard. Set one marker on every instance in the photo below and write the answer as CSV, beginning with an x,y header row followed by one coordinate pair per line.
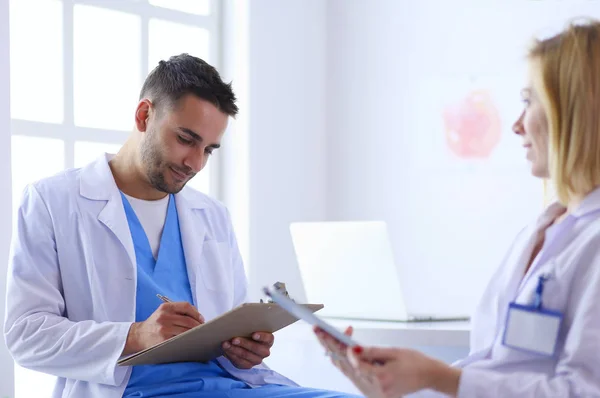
x,y
307,316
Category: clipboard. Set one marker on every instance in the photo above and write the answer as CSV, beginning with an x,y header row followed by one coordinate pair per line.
x,y
203,343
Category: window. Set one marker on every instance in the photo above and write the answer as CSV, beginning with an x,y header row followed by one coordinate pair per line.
x,y
75,85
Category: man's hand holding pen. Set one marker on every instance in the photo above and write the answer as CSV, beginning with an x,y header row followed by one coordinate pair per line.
x,y
169,320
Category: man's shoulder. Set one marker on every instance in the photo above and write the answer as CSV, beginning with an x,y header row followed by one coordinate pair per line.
x,y
63,182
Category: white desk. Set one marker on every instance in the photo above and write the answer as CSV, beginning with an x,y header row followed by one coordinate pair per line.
x,y
431,334
401,334
298,355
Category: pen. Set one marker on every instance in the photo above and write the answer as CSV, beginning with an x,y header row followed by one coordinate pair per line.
x,y
164,298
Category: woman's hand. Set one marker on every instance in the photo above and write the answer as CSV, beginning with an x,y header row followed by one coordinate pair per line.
x,y
395,372
338,353
390,372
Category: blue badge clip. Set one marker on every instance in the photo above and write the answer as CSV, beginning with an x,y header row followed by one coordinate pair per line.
x,y
539,290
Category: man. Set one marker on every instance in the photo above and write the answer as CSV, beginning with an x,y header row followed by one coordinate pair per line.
x,y
94,246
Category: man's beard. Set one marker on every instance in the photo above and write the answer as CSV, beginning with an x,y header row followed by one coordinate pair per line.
x,y
155,167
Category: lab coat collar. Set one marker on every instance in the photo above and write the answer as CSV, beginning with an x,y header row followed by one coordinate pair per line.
x,y
590,204
98,183
191,199
549,215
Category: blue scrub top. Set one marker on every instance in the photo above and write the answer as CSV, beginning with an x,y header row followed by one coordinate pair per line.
x,y
167,275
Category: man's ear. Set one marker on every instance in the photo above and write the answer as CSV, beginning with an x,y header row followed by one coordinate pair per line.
x,y
142,114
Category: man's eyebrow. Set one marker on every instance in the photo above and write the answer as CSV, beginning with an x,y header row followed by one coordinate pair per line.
x,y
196,136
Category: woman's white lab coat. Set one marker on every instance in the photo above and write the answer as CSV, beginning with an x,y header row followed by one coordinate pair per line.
x,y
72,279
571,257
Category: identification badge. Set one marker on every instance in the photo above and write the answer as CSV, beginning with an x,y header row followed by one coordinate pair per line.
x,y
531,328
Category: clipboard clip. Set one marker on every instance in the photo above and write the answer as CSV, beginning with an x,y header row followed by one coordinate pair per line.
x,y
280,287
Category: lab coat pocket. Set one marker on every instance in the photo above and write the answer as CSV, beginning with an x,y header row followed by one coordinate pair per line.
x,y
215,266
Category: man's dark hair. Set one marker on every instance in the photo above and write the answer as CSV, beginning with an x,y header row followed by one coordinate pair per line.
x,y
185,74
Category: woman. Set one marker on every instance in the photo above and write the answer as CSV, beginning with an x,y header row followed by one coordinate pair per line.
x,y
536,332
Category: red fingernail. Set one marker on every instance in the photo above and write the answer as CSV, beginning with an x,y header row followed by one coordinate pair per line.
x,y
357,349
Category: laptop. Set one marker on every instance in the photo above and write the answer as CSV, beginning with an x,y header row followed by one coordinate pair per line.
x,y
350,268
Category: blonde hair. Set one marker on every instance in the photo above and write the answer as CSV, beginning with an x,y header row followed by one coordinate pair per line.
x,y
566,75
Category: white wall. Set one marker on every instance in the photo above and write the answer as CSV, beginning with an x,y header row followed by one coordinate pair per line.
x,y
6,363
389,65
287,137
234,158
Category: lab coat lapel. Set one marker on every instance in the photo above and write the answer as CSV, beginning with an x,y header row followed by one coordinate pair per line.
x,y
543,225
113,216
193,232
97,183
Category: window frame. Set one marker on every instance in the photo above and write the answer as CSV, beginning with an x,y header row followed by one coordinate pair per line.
x,y
68,131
